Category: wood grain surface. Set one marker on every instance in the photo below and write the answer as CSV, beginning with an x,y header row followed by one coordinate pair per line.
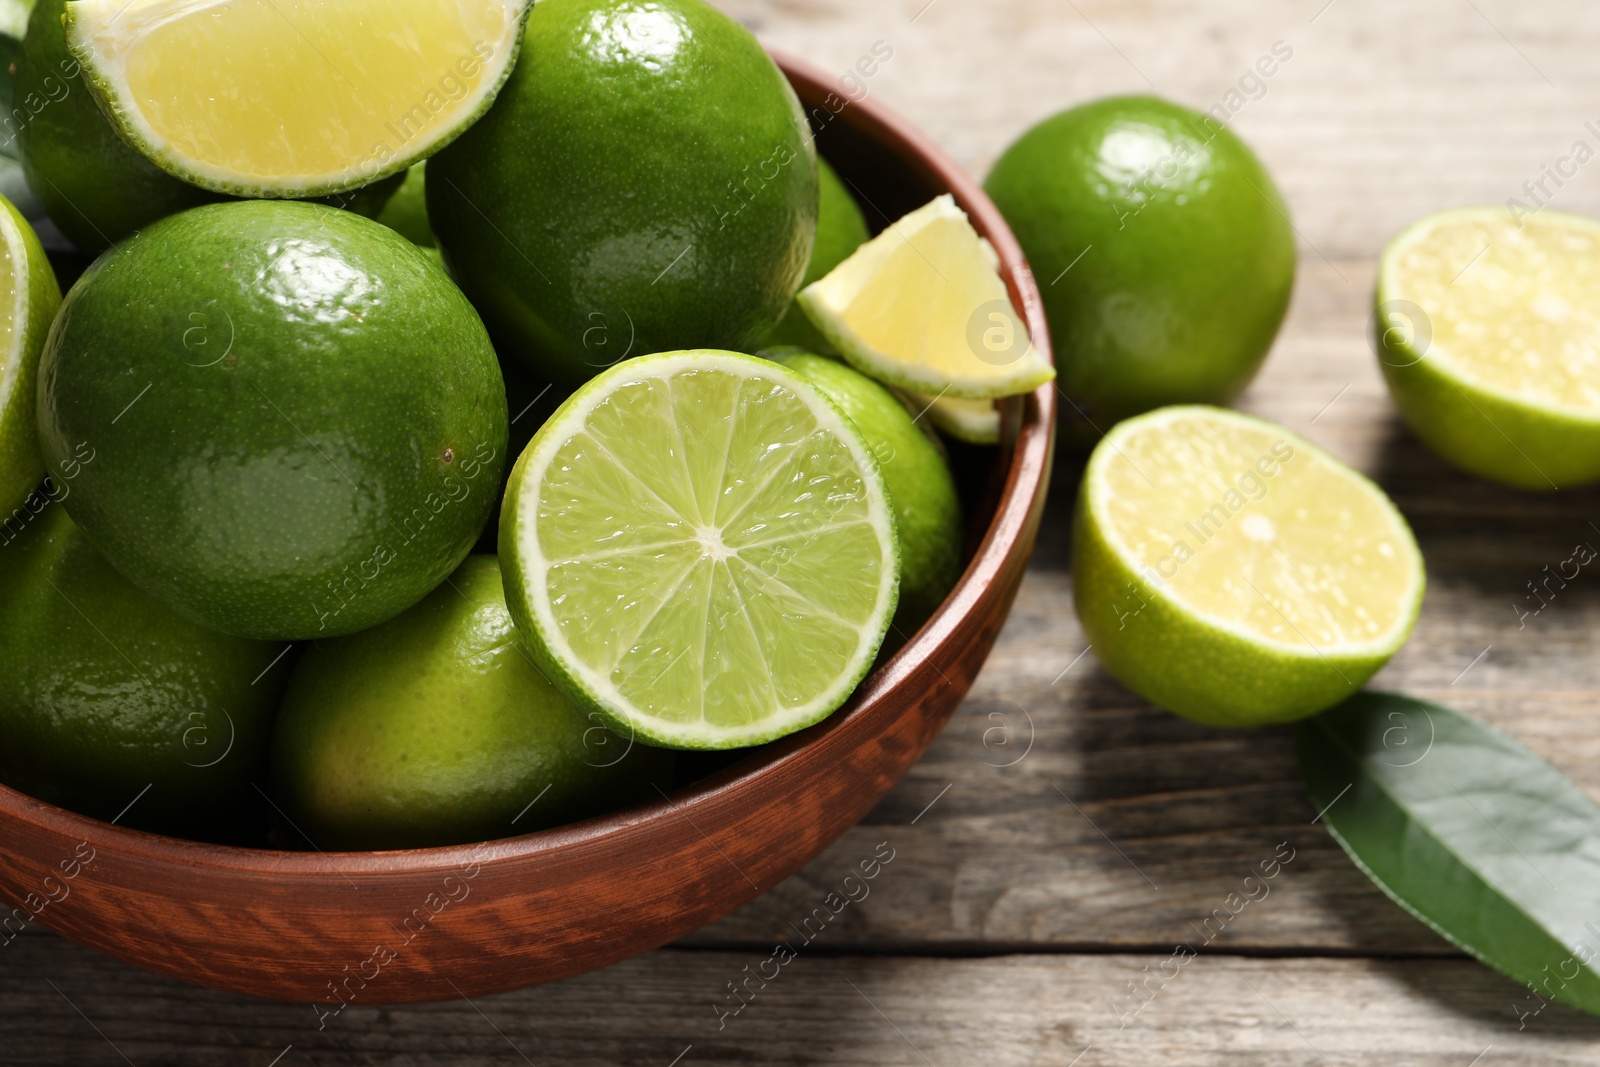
x,y
1061,836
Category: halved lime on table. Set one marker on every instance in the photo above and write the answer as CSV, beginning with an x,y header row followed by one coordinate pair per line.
x,y
297,100
29,293
1234,573
922,307
1488,333
699,546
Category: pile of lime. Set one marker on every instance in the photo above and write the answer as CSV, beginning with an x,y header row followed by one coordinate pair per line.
x,y
351,505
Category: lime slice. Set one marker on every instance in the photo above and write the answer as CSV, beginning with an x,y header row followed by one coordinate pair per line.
x,y
699,547
1488,333
1235,573
30,295
922,307
976,422
296,98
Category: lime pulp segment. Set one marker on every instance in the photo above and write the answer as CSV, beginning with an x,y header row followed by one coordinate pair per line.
x,y
704,548
922,307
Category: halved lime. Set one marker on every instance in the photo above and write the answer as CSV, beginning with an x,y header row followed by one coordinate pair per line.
x,y
922,307
293,97
1235,573
1488,332
30,296
699,546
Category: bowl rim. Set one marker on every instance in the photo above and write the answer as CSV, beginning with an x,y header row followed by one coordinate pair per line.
x,y
1028,460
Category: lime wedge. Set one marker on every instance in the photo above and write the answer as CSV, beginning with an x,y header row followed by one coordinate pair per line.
x,y
1488,333
29,293
1235,573
976,422
699,547
293,97
921,307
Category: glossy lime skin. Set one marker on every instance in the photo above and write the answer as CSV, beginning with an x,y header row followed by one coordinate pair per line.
x,y
841,229
1187,256
299,421
922,492
407,210
436,728
103,691
644,183
97,189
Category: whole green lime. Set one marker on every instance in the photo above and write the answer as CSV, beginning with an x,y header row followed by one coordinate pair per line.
x,y
436,728
1162,248
644,182
922,492
96,189
407,210
108,701
299,423
841,230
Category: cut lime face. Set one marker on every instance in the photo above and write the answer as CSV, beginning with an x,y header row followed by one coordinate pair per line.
x,y
293,97
29,293
1488,332
1511,309
700,546
1235,573
922,307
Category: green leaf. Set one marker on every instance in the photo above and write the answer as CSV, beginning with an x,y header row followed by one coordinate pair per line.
x,y
1470,832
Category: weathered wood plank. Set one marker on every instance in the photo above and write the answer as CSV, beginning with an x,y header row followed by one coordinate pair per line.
x,y
66,1005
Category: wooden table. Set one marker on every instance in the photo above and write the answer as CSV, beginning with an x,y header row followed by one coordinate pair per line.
x,y
1062,836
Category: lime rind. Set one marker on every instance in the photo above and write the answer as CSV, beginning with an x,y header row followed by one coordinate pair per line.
x,y
1493,433
1197,664
977,422
904,362
35,298
89,32
555,647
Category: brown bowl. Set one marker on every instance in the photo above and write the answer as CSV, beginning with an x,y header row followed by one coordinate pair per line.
x,y
430,924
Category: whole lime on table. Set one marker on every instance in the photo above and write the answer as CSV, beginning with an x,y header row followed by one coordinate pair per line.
x,y
922,492
97,189
110,703
644,182
1485,331
841,229
30,297
1162,248
299,422
436,728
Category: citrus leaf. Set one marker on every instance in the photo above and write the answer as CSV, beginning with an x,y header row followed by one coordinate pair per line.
x,y
1470,832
